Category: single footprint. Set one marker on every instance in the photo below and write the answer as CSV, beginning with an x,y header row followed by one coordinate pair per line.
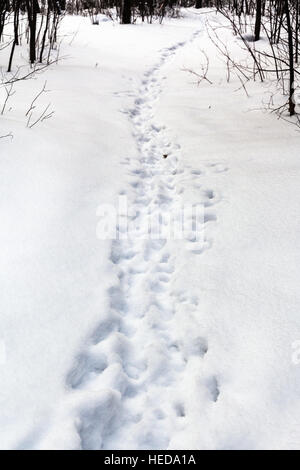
x,y
86,366
214,389
197,172
179,410
218,167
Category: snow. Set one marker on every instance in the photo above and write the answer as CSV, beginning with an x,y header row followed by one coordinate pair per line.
x,y
148,343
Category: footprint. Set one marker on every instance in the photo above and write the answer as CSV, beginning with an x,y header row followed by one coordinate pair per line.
x,y
179,410
163,199
135,184
163,278
194,300
121,251
159,414
156,286
153,245
218,167
209,217
86,367
210,197
165,258
214,389
112,323
97,417
126,161
198,346
167,268
198,250
117,299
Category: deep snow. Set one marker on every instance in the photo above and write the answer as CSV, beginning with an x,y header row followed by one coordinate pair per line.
x,y
148,343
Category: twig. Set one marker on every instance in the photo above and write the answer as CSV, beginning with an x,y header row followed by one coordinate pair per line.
x,y
41,118
9,93
32,106
7,135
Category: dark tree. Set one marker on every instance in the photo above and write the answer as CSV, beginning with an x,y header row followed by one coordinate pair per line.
x,y
258,20
292,106
33,9
126,12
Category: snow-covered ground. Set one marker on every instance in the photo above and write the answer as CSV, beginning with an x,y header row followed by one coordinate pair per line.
x,y
148,343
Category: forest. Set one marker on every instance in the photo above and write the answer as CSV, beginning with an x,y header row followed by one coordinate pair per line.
x,y
36,23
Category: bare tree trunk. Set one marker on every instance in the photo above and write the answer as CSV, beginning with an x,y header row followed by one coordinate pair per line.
x,y
292,106
126,12
258,20
15,43
32,10
45,34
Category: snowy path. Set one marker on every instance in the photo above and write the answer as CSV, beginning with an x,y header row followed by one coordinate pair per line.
x,y
129,385
138,352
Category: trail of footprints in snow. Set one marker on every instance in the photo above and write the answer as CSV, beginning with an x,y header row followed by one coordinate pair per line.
x,y
137,349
